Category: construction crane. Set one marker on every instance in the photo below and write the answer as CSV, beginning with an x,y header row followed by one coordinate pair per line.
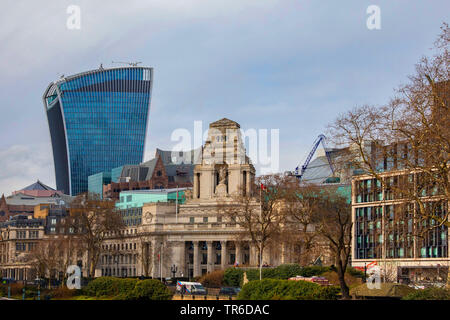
x,y
320,139
133,64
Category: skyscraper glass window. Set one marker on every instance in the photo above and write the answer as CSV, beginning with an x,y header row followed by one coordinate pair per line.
x,y
98,121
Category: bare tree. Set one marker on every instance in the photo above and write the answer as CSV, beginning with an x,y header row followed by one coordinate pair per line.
x,y
261,217
334,223
52,256
301,203
410,135
92,220
146,252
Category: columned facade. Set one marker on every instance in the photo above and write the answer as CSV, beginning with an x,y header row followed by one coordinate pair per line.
x,y
200,239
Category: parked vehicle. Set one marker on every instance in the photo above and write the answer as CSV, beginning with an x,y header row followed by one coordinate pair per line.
x,y
185,287
229,291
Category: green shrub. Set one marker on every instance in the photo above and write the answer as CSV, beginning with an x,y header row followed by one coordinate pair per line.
x,y
149,289
274,289
286,271
429,294
109,286
128,289
313,271
355,272
233,277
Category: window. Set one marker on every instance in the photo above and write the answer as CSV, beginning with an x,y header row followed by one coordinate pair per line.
x,y
205,219
159,173
191,220
20,246
129,198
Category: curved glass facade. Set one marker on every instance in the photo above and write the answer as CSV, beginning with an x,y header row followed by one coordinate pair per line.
x,y
98,121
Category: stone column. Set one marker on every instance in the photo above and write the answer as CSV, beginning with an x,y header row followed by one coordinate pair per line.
x,y
154,259
223,255
210,262
197,271
238,252
195,185
253,255
248,186
283,257
182,266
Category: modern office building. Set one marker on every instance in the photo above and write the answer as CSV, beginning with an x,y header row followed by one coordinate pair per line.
x,y
96,182
98,121
131,202
389,231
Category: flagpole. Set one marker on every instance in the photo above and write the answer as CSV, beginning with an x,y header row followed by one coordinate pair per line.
x,y
260,220
176,207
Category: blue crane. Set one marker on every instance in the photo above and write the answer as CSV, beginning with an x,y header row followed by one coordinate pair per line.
x,y
320,138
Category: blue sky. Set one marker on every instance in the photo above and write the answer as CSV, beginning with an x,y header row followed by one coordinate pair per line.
x,y
292,65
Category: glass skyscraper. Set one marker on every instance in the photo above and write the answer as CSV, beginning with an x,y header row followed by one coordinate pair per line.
x,y
98,121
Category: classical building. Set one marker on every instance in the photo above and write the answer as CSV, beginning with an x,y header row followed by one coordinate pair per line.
x,y
18,237
22,234
197,239
98,121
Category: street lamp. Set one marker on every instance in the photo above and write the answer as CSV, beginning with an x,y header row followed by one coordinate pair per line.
x,y
160,261
174,270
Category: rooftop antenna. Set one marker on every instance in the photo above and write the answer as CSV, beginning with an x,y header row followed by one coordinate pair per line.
x,y
133,64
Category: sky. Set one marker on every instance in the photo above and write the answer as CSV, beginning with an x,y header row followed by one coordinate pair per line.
x,y
291,65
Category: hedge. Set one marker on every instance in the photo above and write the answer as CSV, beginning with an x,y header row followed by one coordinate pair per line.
x,y
429,294
234,276
274,289
109,286
150,289
128,289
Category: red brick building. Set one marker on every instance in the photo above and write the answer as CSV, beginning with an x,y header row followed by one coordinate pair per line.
x,y
162,172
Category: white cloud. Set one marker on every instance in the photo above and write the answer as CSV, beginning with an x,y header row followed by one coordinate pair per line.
x,y
21,165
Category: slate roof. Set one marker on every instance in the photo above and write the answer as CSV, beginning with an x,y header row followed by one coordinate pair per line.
x,y
21,199
141,172
179,157
38,186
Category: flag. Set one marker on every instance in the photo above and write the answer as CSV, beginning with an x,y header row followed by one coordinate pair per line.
x,y
263,187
